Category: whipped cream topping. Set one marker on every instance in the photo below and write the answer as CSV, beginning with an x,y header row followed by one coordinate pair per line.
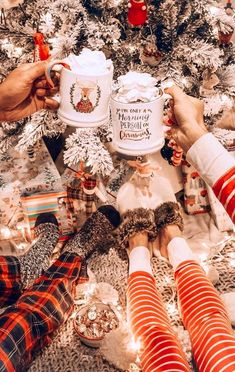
x,y
136,87
89,62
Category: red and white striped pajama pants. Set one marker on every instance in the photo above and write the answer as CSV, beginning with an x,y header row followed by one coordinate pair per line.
x,y
204,315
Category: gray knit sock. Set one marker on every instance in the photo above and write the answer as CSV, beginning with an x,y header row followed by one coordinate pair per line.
x,y
94,234
37,259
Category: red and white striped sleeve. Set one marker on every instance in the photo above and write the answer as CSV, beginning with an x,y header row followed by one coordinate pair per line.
x,y
217,167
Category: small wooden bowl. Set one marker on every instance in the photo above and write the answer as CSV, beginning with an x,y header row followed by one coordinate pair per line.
x,y
92,342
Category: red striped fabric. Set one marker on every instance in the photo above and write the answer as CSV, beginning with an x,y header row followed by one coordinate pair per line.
x,y
224,190
206,319
160,349
204,316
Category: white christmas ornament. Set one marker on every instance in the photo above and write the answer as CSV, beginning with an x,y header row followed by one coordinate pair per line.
x,y
106,293
229,301
8,4
118,347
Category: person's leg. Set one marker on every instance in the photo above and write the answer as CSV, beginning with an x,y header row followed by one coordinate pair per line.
x,y
16,273
203,313
205,317
44,306
160,348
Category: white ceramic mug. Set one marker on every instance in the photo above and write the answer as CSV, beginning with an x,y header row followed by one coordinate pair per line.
x,y
138,127
84,99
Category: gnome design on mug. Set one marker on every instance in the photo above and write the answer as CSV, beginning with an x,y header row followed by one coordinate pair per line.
x,y
88,96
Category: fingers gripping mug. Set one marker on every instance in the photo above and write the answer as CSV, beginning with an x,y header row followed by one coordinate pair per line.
x,y
138,127
84,99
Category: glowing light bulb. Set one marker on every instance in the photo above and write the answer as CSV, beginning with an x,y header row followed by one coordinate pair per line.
x,y
202,257
135,345
168,280
52,40
21,246
171,308
6,232
214,10
131,48
232,263
18,52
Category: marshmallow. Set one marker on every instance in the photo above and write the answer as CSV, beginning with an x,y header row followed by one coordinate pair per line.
x,y
135,87
89,62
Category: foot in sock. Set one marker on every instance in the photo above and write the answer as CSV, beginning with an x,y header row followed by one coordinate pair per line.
x,y
165,235
37,259
95,233
140,239
135,221
169,224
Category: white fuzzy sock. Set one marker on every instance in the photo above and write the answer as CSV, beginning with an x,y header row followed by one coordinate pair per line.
x,y
179,251
139,260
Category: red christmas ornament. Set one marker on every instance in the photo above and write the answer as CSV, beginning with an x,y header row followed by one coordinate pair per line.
x,y
42,51
137,13
228,7
176,158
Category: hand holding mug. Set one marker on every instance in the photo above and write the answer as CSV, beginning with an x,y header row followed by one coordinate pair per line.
x,y
186,116
25,91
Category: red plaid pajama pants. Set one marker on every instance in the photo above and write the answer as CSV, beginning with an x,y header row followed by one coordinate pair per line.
x,y
39,311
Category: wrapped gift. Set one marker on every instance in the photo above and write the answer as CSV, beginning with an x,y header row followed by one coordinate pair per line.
x,y
219,214
195,191
53,202
19,175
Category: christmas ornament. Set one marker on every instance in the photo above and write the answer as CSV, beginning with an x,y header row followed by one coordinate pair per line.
x,y
105,293
137,13
228,8
119,347
225,25
83,193
150,55
41,51
172,152
93,322
210,80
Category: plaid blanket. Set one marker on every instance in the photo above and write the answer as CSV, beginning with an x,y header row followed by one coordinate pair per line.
x,y
39,311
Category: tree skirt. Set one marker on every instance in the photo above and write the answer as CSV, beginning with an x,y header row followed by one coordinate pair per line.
x,y
67,354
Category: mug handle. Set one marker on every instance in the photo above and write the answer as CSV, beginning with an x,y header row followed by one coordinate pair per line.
x,y
49,68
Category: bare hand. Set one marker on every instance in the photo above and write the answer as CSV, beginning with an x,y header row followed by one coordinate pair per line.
x,y
26,91
187,117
